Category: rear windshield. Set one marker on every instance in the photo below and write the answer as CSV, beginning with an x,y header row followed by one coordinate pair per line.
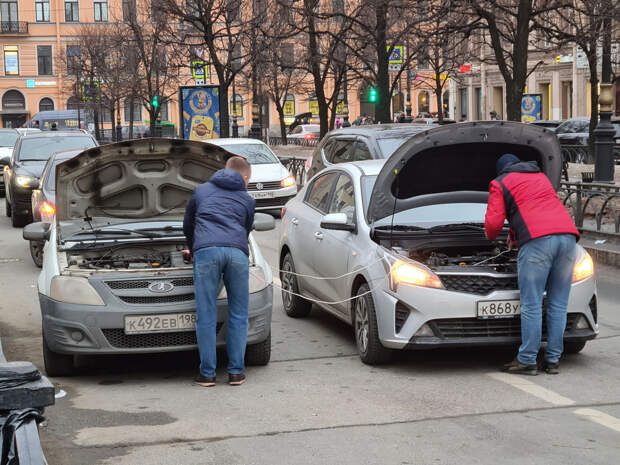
x,y
256,154
41,148
7,139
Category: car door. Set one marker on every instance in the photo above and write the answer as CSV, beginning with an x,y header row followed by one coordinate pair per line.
x,y
304,219
332,249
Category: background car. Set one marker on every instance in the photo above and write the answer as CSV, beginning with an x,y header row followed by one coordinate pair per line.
x,y
44,200
305,131
550,124
576,132
8,138
366,142
27,130
432,121
271,184
28,159
401,250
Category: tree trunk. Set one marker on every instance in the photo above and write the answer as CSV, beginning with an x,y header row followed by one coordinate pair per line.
x,y
514,95
131,116
382,107
280,111
224,114
96,121
438,96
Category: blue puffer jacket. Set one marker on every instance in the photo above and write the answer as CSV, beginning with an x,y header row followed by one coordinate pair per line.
x,y
220,213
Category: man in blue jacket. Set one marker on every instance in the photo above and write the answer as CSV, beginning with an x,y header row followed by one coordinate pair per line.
x,y
218,220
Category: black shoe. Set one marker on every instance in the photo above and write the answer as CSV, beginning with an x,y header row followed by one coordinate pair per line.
x,y
518,368
551,368
236,379
206,381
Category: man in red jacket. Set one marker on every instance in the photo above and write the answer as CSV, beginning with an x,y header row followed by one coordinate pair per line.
x,y
546,236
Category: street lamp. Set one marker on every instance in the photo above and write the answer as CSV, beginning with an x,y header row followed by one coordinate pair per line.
x,y
604,137
255,129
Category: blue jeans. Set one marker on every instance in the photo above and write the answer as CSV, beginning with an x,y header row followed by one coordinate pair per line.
x,y
545,263
211,266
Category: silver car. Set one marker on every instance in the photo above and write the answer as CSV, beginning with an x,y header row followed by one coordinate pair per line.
x,y
397,248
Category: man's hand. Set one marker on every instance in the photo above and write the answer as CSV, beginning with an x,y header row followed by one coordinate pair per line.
x,y
188,256
512,242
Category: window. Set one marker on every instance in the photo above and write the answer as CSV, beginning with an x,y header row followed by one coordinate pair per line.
x,y
343,200
423,102
73,59
42,10
338,7
46,104
287,52
44,58
163,112
340,151
13,100
10,18
129,10
286,11
318,195
193,8
11,60
72,11
101,10
361,152
137,111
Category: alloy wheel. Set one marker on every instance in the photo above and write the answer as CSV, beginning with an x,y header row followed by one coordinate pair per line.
x,y
361,324
288,284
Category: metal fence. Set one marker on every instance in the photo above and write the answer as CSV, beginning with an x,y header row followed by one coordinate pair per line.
x,y
271,140
594,207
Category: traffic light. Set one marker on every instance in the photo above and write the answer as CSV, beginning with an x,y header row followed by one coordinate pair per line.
x,y
155,101
373,94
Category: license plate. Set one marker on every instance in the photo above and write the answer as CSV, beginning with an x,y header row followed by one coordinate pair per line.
x,y
488,309
262,195
163,323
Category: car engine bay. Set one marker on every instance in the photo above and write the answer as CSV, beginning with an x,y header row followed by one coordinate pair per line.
x,y
129,257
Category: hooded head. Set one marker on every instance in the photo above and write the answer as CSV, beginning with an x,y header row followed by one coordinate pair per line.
x,y
505,161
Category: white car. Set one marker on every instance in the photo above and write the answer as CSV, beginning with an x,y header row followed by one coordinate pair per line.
x,y
305,131
271,184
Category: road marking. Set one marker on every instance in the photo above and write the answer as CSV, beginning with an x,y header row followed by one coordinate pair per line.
x,y
534,389
599,417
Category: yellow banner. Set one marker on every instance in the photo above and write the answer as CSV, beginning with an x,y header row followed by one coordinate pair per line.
x,y
314,107
340,108
289,108
236,109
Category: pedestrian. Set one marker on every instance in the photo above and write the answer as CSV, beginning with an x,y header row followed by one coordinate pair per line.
x,y
54,127
545,234
493,115
218,220
35,124
338,122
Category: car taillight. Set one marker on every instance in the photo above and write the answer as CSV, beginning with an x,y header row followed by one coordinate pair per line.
x,y
47,209
309,136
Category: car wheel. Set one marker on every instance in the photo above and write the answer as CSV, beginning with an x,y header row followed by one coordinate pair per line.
x,y
36,252
7,207
574,347
294,305
56,364
19,221
367,340
258,354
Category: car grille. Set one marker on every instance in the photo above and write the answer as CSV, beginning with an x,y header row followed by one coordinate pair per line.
x,y
117,338
269,185
473,327
156,299
478,284
143,284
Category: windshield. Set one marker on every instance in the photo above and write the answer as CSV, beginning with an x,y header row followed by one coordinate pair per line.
x,y
389,146
7,139
256,154
429,215
571,126
41,148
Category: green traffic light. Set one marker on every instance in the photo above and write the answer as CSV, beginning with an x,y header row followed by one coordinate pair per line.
x,y
372,96
155,101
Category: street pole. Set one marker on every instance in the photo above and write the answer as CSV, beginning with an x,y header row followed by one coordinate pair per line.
x,y
235,126
346,123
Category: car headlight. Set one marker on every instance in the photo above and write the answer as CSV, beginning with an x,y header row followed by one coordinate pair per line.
x,y
74,290
258,282
26,181
408,273
288,181
584,268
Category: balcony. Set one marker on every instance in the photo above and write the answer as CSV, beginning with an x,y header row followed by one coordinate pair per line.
x,y
13,27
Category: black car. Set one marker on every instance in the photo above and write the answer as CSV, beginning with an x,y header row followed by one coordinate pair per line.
x,y
29,157
8,138
574,132
358,143
547,123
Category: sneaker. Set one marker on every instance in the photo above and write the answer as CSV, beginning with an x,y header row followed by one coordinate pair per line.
x,y
518,368
551,368
236,379
206,381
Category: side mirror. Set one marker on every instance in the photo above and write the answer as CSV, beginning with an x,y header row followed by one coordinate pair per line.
x,y
37,231
264,222
337,222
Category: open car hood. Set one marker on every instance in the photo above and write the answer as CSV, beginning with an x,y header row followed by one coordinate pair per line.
x,y
135,179
455,164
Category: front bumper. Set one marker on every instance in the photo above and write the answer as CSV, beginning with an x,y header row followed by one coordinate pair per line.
x,y
21,201
279,199
101,328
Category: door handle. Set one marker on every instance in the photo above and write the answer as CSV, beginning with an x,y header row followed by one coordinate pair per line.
x,y
295,221
318,235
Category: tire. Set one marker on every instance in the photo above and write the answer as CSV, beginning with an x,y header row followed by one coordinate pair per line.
x,y
574,347
7,206
19,221
294,306
258,354
57,364
366,329
36,252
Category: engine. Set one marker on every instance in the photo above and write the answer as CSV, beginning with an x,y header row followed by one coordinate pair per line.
x,y
129,257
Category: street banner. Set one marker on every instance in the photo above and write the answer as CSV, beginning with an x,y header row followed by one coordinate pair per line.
x,y
531,107
289,108
200,112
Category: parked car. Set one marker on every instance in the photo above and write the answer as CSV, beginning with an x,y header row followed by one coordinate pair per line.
x,y
28,159
44,200
305,131
114,279
8,138
575,132
271,184
550,124
356,143
406,237
432,121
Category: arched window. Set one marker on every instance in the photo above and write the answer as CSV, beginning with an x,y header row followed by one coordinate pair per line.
x,y
423,102
46,104
73,103
13,100
236,109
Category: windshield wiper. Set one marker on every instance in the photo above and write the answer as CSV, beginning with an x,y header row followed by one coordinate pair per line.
x,y
165,228
98,232
456,227
400,227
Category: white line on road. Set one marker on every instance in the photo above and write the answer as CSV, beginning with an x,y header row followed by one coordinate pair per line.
x,y
534,389
599,417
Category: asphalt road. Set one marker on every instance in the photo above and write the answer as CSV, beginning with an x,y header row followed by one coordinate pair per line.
x,y
316,403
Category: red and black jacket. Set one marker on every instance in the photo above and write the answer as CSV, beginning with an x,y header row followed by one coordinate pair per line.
x,y
526,197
